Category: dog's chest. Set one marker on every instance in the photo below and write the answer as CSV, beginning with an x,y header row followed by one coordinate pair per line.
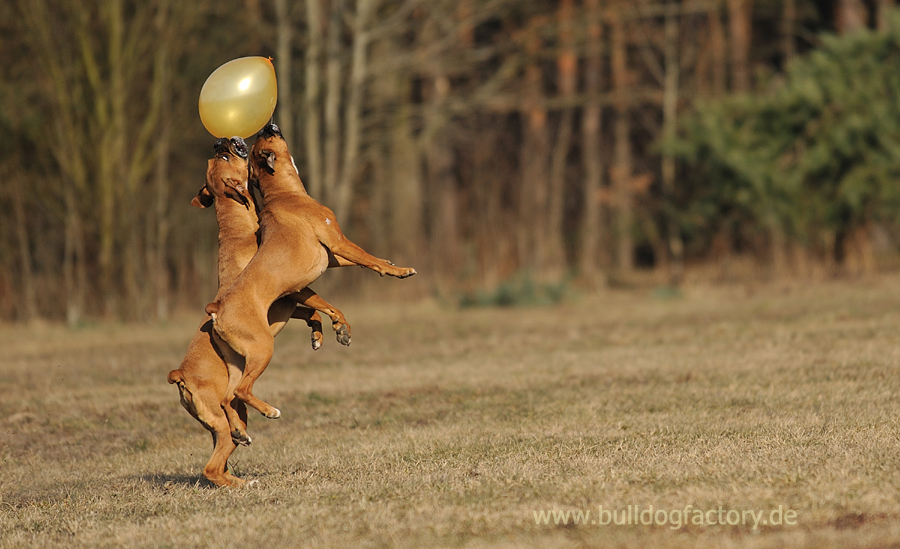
x,y
293,235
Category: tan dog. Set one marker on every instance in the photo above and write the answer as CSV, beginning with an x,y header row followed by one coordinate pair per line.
x,y
300,238
203,377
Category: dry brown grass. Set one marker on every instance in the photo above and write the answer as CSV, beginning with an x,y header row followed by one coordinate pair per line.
x,y
450,428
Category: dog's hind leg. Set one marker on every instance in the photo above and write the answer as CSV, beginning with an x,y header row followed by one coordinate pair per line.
x,y
258,357
216,470
309,298
314,320
250,337
343,248
343,252
202,402
235,366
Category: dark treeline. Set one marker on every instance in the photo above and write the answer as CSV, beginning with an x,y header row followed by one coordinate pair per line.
x,y
477,140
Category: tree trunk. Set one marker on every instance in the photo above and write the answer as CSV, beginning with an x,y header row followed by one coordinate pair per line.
x,y
592,220
717,47
161,176
778,243
333,102
740,21
74,261
675,261
125,176
442,200
494,240
788,30
444,213
621,172
850,16
70,158
884,8
284,61
383,96
406,185
553,252
29,297
353,110
312,119
534,154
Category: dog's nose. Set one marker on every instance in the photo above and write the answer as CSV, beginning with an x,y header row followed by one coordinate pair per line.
x,y
269,130
221,145
240,147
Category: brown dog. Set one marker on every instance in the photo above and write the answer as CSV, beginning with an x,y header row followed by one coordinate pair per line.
x,y
300,238
203,377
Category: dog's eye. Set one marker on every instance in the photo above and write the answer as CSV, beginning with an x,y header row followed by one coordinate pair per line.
x,y
224,157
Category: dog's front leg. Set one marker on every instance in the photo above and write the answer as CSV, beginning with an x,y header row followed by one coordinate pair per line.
x,y
309,298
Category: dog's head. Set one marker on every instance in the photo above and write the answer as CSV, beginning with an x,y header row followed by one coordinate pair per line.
x,y
226,174
269,150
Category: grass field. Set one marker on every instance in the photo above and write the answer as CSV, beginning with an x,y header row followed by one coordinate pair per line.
x,y
456,428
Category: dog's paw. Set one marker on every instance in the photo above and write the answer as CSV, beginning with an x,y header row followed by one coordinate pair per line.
x,y
343,334
241,439
406,273
274,414
316,339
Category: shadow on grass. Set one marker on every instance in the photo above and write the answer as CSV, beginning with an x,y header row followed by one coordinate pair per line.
x,y
165,481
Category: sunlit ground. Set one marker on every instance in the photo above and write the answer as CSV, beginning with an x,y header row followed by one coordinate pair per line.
x,y
463,428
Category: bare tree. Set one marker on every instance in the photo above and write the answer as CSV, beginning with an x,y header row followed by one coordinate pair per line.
x,y
622,159
670,111
284,61
554,256
343,191
592,221
29,297
788,31
534,156
850,15
740,21
158,229
64,91
334,86
312,116
884,7
442,194
717,47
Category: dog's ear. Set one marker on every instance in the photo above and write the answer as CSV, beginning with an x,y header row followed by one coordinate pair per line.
x,y
270,161
203,198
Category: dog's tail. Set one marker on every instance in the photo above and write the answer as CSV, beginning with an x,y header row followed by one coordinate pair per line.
x,y
176,376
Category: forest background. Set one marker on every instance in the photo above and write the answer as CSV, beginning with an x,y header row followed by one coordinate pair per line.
x,y
502,147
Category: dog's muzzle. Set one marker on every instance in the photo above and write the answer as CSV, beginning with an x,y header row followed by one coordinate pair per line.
x,y
240,147
221,146
269,130
235,146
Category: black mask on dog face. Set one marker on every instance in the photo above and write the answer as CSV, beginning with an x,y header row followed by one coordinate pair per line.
x,y
269,130
221,146
235,145
240,147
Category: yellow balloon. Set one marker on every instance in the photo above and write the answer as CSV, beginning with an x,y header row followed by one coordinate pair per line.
x,y
239,97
